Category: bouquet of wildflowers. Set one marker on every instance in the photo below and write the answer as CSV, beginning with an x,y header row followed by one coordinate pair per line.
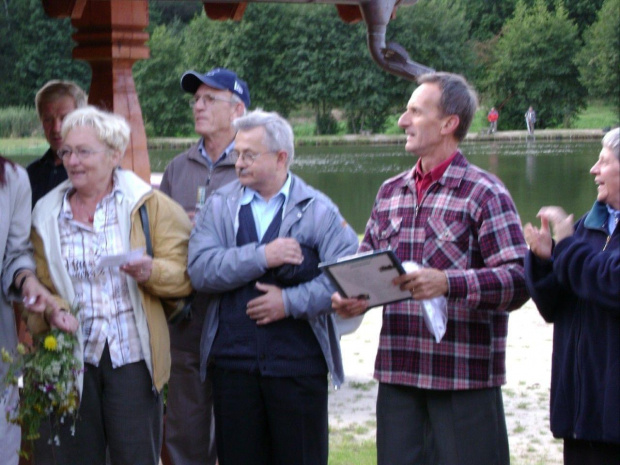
x,y
46,374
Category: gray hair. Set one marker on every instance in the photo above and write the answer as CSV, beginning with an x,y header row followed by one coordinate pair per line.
x,y
236,99
111,129
55,89
278,132
611,141
458,98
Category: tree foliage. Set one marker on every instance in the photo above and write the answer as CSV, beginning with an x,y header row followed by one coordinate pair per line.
x,y
488,16
533,65
599,60
164,107
583,12
305,57
35,49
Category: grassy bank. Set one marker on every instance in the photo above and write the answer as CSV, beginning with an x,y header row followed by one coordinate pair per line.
x,y
595,117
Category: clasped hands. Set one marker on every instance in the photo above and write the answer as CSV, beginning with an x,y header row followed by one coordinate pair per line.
x,y
539,239
269,307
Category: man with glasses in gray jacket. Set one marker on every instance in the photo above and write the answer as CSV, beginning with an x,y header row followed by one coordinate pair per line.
x,y
269,338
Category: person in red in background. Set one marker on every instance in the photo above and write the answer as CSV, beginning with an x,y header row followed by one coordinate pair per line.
x,y
492,117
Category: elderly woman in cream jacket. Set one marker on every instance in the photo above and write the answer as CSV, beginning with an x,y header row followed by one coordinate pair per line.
x,y
123,334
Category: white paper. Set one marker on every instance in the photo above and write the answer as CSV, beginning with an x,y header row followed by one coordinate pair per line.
x,y
111,261
435,309
367,275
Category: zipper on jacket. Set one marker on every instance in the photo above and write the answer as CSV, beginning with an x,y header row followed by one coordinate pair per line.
x,y
209,177
607,242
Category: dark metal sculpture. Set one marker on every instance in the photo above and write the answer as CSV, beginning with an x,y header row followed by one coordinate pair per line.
x,y
392,57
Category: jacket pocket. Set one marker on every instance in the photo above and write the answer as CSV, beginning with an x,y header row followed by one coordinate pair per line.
x,y
385,233
447,245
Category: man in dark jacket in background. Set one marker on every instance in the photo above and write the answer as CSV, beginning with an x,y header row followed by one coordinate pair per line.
x,y
54,101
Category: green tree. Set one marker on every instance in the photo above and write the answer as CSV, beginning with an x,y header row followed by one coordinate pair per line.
x,y
599,59
170,13
487,17
331,59
533,65
38,49
164,105
260,49
436,33
583,12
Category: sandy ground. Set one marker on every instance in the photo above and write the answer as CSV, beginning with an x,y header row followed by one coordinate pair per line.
x,y
526,394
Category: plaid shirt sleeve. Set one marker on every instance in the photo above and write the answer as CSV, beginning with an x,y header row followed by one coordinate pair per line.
x,y
499,282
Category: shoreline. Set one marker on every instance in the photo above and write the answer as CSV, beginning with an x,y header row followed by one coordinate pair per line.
x,y
28,146
159,143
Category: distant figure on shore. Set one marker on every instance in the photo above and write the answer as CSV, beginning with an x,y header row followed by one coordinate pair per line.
x,y
492,117
54,101
530,120
574,281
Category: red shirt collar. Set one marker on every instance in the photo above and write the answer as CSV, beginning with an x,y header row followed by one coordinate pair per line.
x,y
424,180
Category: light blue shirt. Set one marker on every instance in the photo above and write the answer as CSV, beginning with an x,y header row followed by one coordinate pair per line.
x,y
612,222
262,211
205,155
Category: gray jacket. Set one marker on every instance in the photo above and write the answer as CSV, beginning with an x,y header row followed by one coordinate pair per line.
x,y
217,265
15,250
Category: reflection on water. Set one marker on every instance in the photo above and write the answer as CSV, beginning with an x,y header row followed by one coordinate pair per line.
x,y
536,172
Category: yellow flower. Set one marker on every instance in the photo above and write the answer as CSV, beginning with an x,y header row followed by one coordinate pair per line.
x,y
50,343
6,357
21,349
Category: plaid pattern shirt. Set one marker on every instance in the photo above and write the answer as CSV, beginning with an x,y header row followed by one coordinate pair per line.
x,y
106,312
467,225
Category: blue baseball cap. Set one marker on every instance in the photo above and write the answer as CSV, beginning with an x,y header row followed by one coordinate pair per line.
x,y
218,78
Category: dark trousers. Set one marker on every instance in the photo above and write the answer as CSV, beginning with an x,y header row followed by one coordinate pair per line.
x,y
418,426
119,410
577,452
270,421
190,428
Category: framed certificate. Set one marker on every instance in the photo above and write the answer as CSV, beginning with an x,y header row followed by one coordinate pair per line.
x,y
367,275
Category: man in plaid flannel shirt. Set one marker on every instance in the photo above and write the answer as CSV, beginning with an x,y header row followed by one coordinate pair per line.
x,y
441,403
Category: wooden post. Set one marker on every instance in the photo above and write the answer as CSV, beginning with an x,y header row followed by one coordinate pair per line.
x,y
111,38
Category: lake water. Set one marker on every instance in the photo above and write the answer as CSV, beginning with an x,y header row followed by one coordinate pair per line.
x,y
536,173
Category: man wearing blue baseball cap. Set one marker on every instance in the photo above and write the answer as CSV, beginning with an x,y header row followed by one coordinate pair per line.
x,y
217,98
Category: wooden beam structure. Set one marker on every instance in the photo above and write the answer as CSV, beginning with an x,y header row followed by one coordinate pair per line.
x,y
111,37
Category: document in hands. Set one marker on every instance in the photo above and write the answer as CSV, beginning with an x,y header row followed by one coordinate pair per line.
x,y
112,261
367,275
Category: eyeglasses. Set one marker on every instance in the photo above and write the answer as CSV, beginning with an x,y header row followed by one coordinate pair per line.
x,y
207,99
247,157
82,154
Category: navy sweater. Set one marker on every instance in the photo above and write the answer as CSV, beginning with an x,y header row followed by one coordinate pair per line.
x,y
283,348
579,292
